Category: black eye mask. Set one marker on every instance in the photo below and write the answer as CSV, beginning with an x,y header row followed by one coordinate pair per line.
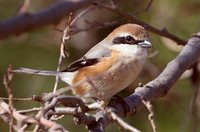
x,y
126,40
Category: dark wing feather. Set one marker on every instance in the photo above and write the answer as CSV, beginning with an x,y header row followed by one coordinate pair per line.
x,y
91,57
83,62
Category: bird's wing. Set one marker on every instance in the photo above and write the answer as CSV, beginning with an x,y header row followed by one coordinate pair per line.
x,y
78,64
98,51
90,58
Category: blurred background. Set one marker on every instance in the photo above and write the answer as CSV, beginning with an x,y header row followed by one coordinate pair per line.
x,y
39,49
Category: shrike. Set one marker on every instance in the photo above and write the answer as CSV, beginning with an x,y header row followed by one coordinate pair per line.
x,y
108,67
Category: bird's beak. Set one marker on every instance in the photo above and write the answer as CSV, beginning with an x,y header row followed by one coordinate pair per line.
x,y
145,44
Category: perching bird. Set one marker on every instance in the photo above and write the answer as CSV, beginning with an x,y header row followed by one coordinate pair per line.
x,y
108,67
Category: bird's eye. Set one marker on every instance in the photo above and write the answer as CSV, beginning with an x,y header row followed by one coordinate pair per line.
x,y
129,39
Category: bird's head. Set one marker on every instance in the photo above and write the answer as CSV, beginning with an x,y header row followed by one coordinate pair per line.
x,y
129,38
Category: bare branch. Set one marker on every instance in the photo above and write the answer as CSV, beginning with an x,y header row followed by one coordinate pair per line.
x,y
63,52
80,15
66,101
23,128
29,21
5,107
95,25
29,110
146,8
24,7
133,19
121,123
22,118
7,81
151,114
17,99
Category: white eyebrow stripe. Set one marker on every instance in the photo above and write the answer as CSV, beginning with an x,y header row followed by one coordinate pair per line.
x,y
123,34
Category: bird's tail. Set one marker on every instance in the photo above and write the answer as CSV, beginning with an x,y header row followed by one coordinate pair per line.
x,y
37,72
64,76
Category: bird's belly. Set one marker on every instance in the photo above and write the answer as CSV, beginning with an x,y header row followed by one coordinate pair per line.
x,y
121,78
104,86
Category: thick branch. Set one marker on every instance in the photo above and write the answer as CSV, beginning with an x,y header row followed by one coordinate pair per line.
x,y
156,88
28,21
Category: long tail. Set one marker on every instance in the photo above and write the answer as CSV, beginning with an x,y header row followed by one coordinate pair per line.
x,y
37,72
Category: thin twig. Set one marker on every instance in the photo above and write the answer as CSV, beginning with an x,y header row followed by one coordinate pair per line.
x,y
5,107
36,128
133,19
17,99
24,7
146,7
29,110
27,119
66,101
22,129
7,82
65,37
61,57
151,114
120,122
95,25
81,14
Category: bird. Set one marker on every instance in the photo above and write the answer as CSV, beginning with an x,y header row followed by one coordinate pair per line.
x,y
108,67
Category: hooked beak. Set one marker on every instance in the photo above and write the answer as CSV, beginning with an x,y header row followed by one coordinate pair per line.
x,y
145,44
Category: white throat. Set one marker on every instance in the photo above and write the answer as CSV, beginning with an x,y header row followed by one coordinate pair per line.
x,y
128,49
